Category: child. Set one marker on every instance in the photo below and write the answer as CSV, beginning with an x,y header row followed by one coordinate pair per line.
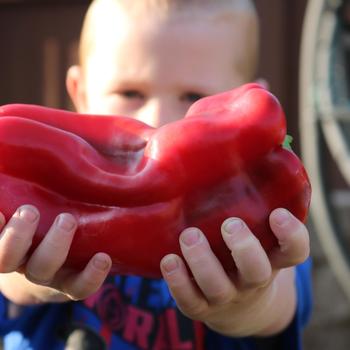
x,y
151,59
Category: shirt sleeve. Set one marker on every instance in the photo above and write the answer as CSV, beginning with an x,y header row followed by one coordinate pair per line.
x,y
35,328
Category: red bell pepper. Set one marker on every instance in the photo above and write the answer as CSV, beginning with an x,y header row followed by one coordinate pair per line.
x,y
134,188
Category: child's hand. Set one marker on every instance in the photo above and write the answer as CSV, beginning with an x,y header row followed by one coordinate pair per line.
x,y
260,299
43,266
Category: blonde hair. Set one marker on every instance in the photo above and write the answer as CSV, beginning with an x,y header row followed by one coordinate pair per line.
x,y
103,8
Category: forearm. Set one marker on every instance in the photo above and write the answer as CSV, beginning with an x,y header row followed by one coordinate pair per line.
x,y
15,287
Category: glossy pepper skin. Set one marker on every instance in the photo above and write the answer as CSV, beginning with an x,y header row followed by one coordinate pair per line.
x,y
134,188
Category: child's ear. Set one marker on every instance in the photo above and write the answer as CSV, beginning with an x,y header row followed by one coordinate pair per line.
x,y
76,88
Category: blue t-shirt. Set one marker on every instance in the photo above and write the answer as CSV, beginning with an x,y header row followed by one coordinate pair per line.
x,y
130,313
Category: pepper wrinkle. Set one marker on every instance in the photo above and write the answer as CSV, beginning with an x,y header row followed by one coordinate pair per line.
x,y
134,188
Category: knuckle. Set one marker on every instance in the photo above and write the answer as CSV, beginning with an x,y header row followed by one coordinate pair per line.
x,y
55,244
264,277
10,263
5,267
220,297
194,310
258,283
195,262
85,289
248,243
77,295
14,237
13,232
256,275
41,280
90,285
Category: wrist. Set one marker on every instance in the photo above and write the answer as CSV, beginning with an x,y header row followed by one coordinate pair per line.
x,y
283,304
267,311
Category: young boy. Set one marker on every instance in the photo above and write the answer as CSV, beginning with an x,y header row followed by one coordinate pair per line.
x,y
151,59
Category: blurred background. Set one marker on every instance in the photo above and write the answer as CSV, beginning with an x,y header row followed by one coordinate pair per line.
x,y
305,58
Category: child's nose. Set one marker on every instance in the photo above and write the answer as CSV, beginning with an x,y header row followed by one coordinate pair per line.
x,y
158,112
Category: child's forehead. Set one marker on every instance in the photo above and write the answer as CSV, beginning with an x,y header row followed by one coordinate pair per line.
x,y
113,19
195,34
166,8
196,53
120,19
166,5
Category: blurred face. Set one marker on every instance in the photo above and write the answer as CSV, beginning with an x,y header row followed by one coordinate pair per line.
x,y
153,69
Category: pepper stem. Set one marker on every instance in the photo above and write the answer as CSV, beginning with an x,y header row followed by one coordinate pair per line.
x,y
287,143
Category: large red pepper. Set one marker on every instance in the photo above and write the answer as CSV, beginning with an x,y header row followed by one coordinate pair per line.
x,y
134,188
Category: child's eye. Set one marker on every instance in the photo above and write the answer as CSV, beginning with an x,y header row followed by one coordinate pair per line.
x,y
192,97
131,94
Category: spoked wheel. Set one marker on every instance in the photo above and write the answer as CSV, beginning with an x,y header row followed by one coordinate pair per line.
x,y
325,126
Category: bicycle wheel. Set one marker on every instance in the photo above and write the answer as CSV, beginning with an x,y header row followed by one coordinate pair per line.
x,y
325,126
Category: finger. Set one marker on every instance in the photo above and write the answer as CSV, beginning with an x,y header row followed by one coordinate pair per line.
x,y
85,283
189,299
205,267
16,238
253,264
293,239
52,252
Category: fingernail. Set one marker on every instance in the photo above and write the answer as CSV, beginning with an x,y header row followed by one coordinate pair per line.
x,y
190,237
28,214
281,217
101,263
65,222
233,226
170,264
240,237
